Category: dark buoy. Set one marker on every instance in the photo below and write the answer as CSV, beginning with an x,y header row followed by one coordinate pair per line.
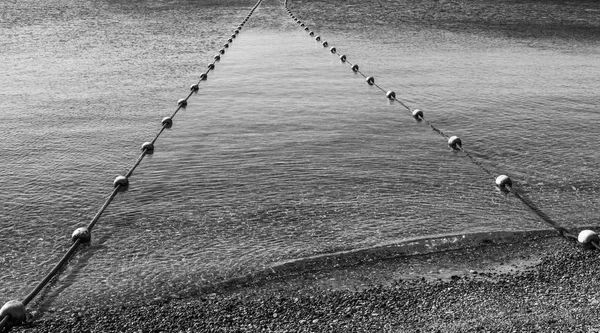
x,y
390,95
217,57
370,80
194,88
311,33
211,66
318,38
325,44
203,76
222,51
355,68
333,50
343,58
182,102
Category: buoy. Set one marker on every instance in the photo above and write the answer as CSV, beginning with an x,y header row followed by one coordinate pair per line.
x,y
343,58
203,76
301,24
226,45
325,44
306,29
121,181
167,122
194,87
233,36
222,51
311,33
83,234
454,142
182,102
217,57
236,31
502,181
390,94
332,50
230,40
355,68
318,38
240,27
148,146
418,114
370,80
15,310
586,237
211,66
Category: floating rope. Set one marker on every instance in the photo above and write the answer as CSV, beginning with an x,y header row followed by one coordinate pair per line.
x,y
587,237
14,312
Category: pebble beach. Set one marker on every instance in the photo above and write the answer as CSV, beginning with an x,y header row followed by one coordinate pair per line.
x,y
539,283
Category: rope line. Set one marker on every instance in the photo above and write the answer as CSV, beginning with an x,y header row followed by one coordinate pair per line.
x,y
456,144
14,312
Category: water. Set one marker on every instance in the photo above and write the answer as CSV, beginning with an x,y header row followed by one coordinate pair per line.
x,y
284,153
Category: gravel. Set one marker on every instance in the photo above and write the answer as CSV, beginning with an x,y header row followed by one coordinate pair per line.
x,y
529,284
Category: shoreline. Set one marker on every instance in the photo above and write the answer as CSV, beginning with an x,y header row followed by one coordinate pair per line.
x,y
531,283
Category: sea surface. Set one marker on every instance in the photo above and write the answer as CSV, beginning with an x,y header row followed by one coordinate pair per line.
x,y
284,153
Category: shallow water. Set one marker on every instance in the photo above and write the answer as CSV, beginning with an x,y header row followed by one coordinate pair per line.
x,y
284,153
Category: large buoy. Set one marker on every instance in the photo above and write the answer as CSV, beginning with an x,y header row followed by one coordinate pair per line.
x,y
15,310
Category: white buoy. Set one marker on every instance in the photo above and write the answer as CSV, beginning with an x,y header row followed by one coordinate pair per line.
x,y
121,181
454,142
15,310
83,234
167,122
391,95
587,236
418,114
502,181
370,80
